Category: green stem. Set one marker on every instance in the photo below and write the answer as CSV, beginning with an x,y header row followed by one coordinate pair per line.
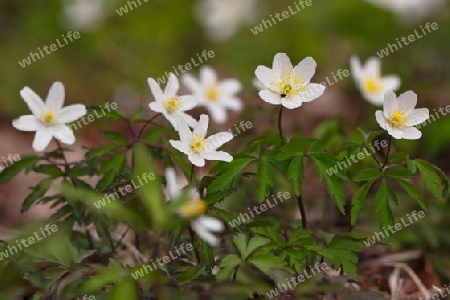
x,y
301,207
388,150
280,130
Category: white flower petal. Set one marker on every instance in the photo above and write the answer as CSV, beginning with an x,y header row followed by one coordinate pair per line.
x,y
217,155
407,101
172,183
184,131
356,68
63,133
381,119
281,62
202,126
196,160
27,123
391,82
42,139
211,224
372,67
180,146
189,102
390,104
204,233
218,139
292,102
411,133
190,82
270,97
190,121
234,104
172,86
71,113
55,97
312,92
34,102
306,69
208,75
395,133
155,89
157,106
218,113
265,75
417,116
231,86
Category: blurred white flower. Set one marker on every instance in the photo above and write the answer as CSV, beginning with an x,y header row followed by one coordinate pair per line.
x,y
222,19
287,85
197,147
215,95
170,104
399,116
194,210
369,80
49,118
410,9
84,15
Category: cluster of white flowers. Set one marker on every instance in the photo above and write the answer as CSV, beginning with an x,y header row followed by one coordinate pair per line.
x,y
410,9
399,116
284,85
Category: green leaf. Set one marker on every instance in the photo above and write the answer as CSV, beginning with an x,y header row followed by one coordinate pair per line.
x,y
100,151
254,244
265,177
50,170
368,174
9,172
115,137
207,256
382,206
324,162
229,173
358,200
138,113
116,163
295,174
399,173
412,191
125,290
294,148
96,282
267,262
336,190
228,266
341,249
38,192
434,179
240,241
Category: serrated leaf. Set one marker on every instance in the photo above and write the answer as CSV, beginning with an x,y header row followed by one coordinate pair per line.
x,y
37,193
265,177
368,174
26,162
240,241
432,178
358,201
254,244
116,163
100,151
267,262
50,170
115,137
413,192
295,174
229,173
399,173
336,190
125,290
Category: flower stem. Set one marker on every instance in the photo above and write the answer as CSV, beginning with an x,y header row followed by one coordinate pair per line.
x,y
387,154
301,207
280,130
192,174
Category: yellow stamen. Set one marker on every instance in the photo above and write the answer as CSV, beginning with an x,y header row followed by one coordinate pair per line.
x,y
193,208
373,85
398,119
212,93
198,143
173,104
49,117
289,84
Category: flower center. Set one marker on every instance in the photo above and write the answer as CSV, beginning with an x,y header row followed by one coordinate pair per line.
x,y
373,85
398,119
288,84
193,208
49,117
198,143
212,93
173,104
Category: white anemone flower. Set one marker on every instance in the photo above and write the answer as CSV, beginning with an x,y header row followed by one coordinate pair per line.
x,y
399,116
197,147
287,85
194,210
369,80
84,14
215,95
49,118
170,104
408,10
222,19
